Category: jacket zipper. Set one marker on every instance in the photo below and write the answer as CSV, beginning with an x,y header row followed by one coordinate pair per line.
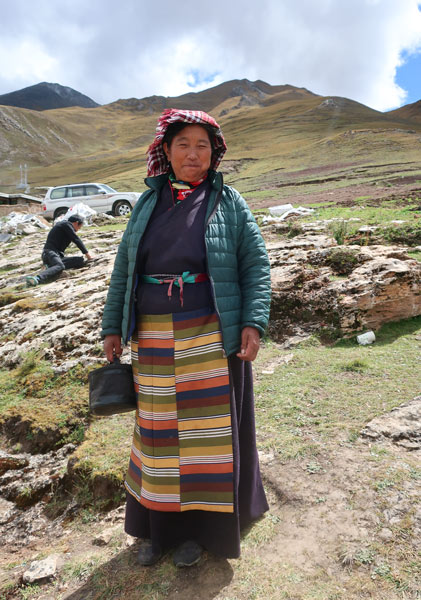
x,y
133,290
218,199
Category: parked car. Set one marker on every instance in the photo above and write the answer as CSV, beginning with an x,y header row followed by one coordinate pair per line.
x,y
98,196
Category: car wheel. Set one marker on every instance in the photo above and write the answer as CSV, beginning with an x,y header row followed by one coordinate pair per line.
x,y
59,212
122,208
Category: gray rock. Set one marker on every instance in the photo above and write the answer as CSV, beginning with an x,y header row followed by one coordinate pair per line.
x,y
12,461
385,534
402,425
41,570
28,525
105,537
27,485
7,511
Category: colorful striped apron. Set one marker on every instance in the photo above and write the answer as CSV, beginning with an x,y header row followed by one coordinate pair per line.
x,y
181,456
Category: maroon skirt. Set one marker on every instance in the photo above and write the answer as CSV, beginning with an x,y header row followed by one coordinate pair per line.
x,y
218,533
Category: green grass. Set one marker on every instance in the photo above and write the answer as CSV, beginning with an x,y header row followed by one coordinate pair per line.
x,y
304,404
415,255
51,409
405,233
9,395
381,215
104,433
9,295
111,227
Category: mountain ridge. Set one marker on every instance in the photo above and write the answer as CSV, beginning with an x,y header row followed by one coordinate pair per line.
x,y
408,111
46,96
270,131
253,91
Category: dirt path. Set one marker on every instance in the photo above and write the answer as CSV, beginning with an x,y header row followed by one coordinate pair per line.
x,y
328,532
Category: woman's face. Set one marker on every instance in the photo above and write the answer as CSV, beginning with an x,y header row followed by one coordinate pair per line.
x,y
190,153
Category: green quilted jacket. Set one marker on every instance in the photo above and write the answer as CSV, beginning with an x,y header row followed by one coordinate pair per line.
x,y
238,265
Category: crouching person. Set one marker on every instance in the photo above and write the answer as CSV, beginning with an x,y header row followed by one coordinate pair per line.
x,y
58,239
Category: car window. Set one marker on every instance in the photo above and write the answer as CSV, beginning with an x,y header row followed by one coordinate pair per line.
x,y
76,192
91,190
108,188
58,193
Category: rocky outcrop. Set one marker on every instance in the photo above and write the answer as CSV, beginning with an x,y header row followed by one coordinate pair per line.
x,y
317,283
30,477
384,289
60,319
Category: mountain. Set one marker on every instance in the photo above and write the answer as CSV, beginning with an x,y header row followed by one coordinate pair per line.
x,y
246,93
279,138
45,96
408,112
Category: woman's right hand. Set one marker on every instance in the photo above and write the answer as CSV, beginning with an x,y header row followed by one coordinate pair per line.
x,y
112,347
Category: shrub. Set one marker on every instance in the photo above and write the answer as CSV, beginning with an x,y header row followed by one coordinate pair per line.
x,y
406,233
342,260
339,230
295,228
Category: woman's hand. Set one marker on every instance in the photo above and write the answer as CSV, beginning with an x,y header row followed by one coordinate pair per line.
x,y
250,343
112,347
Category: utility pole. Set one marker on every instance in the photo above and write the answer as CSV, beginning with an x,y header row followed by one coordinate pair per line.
x,y
23,184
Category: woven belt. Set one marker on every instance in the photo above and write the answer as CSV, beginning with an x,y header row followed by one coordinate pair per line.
x,y
178,280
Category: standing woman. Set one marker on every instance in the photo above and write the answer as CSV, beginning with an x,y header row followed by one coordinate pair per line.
x,y
191,289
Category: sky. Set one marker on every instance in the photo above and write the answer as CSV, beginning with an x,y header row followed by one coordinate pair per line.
x,y
366,50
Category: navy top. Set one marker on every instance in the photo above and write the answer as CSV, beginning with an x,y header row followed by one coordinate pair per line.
x,y
174,242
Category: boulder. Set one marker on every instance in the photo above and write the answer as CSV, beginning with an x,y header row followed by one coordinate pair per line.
x,y
402,426
41,570
380,291
383,284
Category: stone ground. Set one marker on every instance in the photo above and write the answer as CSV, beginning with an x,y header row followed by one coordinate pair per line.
x,y
324,518
324,515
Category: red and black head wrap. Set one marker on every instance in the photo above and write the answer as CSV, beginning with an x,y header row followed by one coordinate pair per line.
x,y
157,161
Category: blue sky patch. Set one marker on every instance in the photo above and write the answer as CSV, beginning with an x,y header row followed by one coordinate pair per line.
x,y
408,77
197,78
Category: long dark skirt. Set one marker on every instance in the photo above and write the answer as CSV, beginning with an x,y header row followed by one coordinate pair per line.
x,y
218,533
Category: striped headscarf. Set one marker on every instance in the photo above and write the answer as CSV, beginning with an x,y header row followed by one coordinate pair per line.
x,y
157,161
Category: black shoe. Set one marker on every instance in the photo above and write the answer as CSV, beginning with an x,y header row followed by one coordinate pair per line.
x,y
188,554
148,554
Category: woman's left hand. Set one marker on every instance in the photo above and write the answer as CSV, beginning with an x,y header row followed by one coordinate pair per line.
x,y
250,343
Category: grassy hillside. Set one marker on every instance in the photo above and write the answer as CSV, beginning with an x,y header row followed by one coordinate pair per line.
x,y
410,112
274,135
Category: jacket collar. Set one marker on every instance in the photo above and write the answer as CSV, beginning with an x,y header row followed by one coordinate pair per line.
x,y
158,182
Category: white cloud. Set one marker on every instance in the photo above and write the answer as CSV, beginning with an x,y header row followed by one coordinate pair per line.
x,y
137,48
29,57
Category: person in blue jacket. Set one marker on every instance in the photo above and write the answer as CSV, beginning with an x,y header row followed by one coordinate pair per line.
x,y
190,289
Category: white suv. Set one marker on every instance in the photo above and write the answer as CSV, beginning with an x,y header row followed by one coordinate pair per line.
x,y
98,196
